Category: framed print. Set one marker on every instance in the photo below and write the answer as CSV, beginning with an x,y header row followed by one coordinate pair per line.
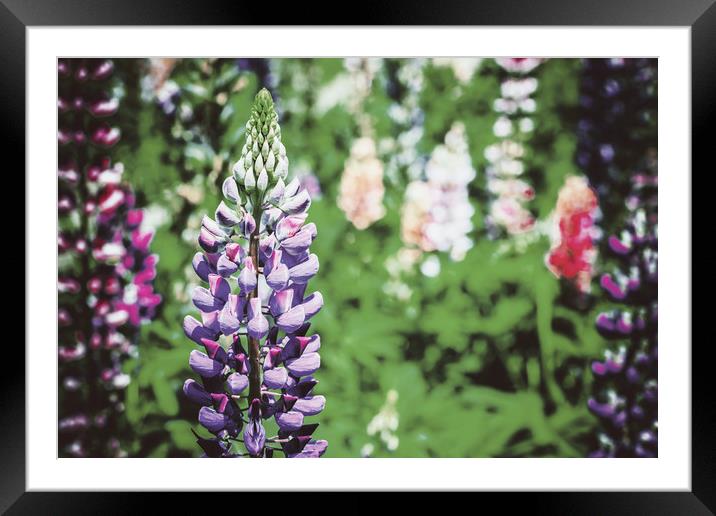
x,y
410,257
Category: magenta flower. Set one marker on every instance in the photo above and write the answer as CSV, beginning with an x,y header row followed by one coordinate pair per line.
x,y
625,397
106,271
256,264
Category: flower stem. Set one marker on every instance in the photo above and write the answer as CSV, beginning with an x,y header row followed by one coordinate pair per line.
x,y
254,344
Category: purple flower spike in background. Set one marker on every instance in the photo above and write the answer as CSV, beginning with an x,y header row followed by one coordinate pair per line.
x,y
625,396
105,272
256,265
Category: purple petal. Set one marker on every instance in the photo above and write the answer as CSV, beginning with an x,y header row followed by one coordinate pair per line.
x,y
618,246
306,364
247,278
297,346
611,287
204,301
298,243
228,322
604,410
289,421
226,216
280,301
231,190
214,350
210,320
258,324
605,323
312,450
208,242
266,247
289,226
247,225
599,368
235,252
278,278
313,304
296,204
203,365
213,421
291,320
275,378
219,287
196,393
195,331
237,383
225,267
303,388
310,406
221,403
255,434
201,266
273,358
213,228
305,270
292,188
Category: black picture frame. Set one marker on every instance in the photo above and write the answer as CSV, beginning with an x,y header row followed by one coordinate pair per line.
x,y
700,15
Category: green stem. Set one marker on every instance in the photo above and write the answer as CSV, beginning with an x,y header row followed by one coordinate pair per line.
x,y
254,344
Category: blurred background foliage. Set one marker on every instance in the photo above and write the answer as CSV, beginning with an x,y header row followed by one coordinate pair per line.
x,y
489,358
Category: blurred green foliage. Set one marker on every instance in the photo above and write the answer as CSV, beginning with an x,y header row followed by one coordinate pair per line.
x,y
488,359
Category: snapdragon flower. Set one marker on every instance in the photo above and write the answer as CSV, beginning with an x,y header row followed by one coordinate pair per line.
x,y
256,262
573,252
361,190
625,393
437,213
105,271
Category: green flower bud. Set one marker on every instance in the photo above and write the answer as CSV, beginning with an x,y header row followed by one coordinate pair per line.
x,y
270,163
258,166
249,181
262,182
239,172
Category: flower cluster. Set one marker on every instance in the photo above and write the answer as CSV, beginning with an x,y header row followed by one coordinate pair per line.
x,y
105,268
257,263
512,127
437,212
625,397
573,253
361,190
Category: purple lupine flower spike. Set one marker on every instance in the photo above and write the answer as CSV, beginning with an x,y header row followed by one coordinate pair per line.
x,y
107,291
626,379
259,230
